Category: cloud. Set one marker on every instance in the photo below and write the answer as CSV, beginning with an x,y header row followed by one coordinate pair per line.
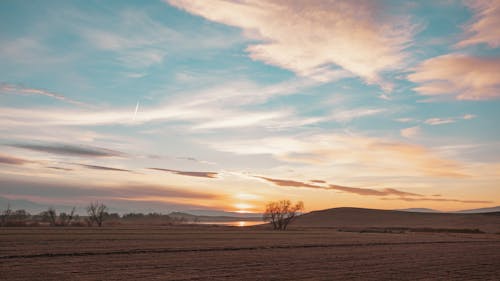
x,y
348,115
6,159
469,116
401,195
215,108
410,132
405,120
189,173
314,38
355,190
90,191
59,168
291,183
197,160
71,150
484,27
95,167
369,155
439,121
318,181
137,40
16,89
460,76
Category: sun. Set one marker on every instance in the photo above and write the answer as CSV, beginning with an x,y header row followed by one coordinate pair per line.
x,y
243,207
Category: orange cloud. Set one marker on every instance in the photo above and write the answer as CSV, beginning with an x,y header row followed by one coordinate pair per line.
x,y
355,190
460,76
313,38
400,195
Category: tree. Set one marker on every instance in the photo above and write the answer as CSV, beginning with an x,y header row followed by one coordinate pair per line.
x,y
6,214
51,216
282,213
66,219
97,213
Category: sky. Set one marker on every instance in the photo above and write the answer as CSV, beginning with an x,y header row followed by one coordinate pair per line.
x,y
227,105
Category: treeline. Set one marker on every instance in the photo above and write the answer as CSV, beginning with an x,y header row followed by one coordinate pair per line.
x,y
97,214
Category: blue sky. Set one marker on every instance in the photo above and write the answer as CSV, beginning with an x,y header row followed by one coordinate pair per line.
x,y
227,105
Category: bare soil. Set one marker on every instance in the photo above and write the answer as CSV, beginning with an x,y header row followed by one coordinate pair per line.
x,y
230,253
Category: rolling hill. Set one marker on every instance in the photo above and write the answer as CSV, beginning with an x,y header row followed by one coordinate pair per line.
x,y
370,218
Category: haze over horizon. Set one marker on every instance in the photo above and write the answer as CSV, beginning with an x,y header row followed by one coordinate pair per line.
x,y
227,105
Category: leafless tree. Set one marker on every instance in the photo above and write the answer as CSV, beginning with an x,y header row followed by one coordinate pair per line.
x,y
5,216
96,212
51,216
282,213
66,219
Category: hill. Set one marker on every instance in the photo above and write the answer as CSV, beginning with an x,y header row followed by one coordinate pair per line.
x,y
370,218
482,210
419,210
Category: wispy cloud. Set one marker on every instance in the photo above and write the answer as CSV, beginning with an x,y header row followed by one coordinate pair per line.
x,y
223,107
17,89
71,150
312,38
384,155
6,159
138,40
410,132
59,168
348,115
459,76
188,173
355,190
196,160
441,121
385,193
89,191
104,168
484,27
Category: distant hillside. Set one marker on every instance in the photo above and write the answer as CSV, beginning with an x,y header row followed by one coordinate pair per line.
x,y
362,218
482,210
32,207
419,210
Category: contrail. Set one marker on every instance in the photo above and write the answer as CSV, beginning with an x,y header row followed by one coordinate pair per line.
x,y
136,108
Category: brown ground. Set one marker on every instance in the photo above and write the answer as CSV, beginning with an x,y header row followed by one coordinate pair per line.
x,y
225,253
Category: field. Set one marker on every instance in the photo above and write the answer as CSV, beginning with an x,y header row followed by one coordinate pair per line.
x,y
232,253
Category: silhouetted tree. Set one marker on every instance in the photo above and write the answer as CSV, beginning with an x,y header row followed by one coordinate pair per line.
x,y
282,213
51,216
66,219
20,215
5,216
96,212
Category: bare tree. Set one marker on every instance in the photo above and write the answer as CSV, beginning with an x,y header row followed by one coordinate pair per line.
x,y
51,216
282,213
5,216
96,212
66,219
